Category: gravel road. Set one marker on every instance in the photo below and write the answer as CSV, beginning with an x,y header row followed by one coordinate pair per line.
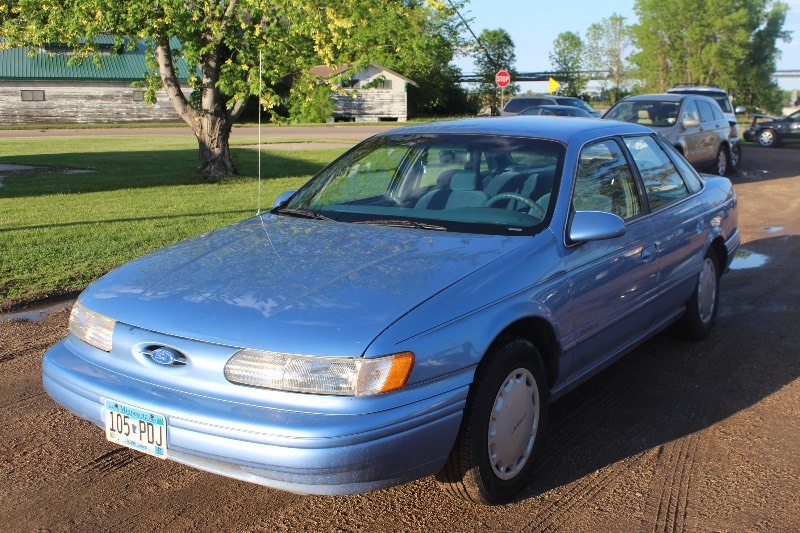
x,y
677,436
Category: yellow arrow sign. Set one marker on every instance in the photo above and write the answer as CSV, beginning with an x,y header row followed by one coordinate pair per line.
x,y
554,85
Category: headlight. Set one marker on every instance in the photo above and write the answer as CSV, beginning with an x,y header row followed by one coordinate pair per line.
x,y
91,327
341,376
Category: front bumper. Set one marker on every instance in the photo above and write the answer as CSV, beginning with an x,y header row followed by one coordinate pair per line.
x,y
330,453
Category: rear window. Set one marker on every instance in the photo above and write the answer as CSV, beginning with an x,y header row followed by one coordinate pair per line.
x,y
719,97
518,104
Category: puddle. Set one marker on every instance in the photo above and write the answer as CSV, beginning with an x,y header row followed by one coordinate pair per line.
x,y
35,314
745,259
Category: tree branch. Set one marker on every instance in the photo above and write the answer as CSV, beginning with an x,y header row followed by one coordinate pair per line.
x,y
166,69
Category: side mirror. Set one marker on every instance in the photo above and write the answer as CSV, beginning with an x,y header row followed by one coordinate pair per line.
x,y
689,122
740,110
283,197
595,226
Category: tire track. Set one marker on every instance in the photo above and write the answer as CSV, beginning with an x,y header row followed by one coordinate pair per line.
x,y
110,462
673,475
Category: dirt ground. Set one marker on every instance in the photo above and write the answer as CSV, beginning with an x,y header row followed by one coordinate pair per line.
x,y
677,436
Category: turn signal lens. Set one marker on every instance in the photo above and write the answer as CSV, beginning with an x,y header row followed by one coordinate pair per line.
x,y
340,376
91,327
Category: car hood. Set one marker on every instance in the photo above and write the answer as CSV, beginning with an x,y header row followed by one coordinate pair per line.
x,y
291,285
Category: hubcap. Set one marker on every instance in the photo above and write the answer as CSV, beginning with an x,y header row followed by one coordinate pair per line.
x,y
707,291
765,138
513,423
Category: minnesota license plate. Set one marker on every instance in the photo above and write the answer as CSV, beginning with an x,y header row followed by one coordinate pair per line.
x,y
136,428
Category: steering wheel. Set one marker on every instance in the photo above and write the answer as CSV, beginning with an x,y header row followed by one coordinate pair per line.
x,y
535,209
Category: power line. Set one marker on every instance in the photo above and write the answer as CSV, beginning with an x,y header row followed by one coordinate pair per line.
x,y
478,41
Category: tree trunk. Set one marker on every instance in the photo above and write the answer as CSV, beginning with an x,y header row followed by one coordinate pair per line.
x,y
212,134
211,125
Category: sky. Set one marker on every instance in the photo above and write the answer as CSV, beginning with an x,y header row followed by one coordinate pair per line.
x,y
535,24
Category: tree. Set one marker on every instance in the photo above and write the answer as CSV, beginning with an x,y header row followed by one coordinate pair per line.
x,y
568,63
222,38
419,42
494,51
730,44
608,44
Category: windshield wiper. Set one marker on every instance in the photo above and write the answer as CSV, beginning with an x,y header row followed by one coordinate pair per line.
x,y
302,213
402,223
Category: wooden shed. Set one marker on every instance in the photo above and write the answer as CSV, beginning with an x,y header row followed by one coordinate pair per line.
x,y
39,86
373,94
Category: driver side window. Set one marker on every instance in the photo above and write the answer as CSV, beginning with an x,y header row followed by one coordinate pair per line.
x,y
605,183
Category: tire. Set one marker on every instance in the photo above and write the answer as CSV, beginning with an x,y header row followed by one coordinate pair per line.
x,y
701,311
734,157
502,427
720,166
767,138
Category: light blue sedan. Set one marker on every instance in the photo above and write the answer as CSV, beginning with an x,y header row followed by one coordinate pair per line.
x,y
412,310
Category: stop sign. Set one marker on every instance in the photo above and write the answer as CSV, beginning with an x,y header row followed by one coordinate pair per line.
x,y
502,78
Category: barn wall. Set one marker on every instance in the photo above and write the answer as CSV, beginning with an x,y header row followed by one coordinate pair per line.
x,y
81,103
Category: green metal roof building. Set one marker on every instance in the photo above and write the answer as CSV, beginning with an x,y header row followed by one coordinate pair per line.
x,y
40,86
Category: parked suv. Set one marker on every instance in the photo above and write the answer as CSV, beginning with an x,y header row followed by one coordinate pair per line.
x,y
722,98
694,124
521,103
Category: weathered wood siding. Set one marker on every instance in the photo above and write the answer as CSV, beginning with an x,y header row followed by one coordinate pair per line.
x,y
80,102
371,105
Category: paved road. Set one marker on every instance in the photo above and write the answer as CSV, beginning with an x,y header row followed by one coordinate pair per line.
x,y
677,436
327,132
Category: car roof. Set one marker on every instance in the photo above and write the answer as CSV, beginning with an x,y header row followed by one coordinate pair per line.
x,y
666,97
541,127
703,88
555,106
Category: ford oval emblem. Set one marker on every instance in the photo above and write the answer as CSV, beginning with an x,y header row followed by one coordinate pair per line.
x,y
167,356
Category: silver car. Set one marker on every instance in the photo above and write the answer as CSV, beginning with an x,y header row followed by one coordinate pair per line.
x,y
694,124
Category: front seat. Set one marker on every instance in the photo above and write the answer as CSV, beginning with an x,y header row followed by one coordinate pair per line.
x,y
643,117
461,193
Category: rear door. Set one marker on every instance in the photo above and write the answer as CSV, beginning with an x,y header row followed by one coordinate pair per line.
x,y
677,219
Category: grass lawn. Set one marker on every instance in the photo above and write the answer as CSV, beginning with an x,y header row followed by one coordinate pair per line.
x,y
60,231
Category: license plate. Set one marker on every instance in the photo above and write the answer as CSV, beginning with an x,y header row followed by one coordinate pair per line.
x,y
136,428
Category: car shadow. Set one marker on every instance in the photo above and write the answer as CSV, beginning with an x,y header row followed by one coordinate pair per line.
x,y
670,389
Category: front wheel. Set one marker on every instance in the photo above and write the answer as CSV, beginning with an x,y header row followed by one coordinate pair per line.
x,y
505,414
767,138
701,311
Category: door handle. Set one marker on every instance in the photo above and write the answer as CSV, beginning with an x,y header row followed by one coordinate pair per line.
x,y
649,252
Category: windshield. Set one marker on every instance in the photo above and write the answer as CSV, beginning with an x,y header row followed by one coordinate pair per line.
x,y
469,183
647,112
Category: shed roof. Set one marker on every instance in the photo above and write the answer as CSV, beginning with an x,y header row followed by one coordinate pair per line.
x,y
26,63
324,71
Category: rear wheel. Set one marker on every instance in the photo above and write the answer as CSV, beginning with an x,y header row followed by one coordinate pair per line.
x,y
734,157
767,138
720,167
701,311
505,414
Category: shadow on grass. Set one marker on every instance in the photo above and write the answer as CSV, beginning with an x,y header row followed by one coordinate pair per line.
x,y
132,219
144,169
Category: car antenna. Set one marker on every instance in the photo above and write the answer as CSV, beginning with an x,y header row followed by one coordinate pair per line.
x,y
259,133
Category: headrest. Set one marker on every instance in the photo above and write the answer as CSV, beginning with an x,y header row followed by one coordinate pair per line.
x,y
464,180
643,114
